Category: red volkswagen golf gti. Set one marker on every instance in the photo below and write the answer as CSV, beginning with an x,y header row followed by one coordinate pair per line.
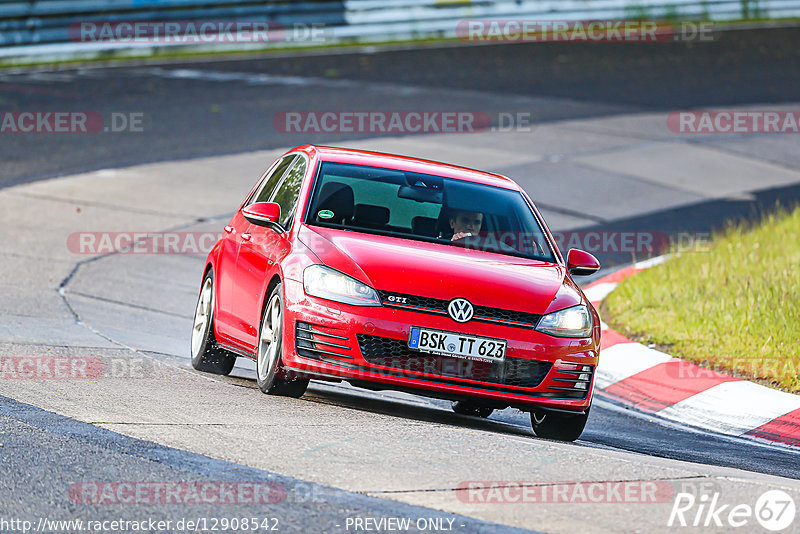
x,y
398,273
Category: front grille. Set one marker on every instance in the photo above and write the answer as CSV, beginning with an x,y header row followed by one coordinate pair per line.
x,y
395,354
500,315
439,307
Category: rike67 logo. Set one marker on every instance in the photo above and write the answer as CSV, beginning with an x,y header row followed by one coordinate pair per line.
x,y
774,510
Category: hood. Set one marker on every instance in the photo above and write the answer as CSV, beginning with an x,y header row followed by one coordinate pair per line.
x,y
444,272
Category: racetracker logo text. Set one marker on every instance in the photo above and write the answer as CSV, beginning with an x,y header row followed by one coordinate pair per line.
x,y
27,122
96,243
524,492
734,122
522,30
49,368
148,493
193,32
382,122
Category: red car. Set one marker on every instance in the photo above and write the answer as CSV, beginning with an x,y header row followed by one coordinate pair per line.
x,y
391,272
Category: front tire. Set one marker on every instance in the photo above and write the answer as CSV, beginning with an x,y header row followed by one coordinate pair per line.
x,y
559,427
270,351
206,355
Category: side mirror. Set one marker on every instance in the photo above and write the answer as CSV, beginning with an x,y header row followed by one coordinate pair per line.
x,y
263,214
580,263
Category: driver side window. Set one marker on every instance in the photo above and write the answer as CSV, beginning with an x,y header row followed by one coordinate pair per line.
x,y
288,192
270,183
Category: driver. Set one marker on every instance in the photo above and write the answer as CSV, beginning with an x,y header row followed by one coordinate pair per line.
x,y
465,223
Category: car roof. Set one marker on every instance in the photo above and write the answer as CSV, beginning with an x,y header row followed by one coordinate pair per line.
x,y
409,164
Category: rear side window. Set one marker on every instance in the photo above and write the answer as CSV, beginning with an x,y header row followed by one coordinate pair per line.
x,y
288,192
271,181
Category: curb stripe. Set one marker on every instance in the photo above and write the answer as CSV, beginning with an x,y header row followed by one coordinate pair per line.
x,y
625,360
784,429
616,277
655,382
610,338
597,292
666,384
732,407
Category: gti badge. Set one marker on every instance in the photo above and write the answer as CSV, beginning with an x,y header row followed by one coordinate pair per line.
x,y
460,310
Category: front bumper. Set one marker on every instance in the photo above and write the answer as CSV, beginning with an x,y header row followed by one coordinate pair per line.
x,y
369,347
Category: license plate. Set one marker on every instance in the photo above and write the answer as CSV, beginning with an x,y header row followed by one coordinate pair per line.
x,y
457,345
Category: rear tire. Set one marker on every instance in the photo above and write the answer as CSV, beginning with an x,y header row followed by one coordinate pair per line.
x,y
269,365
468,408
559,427
207,356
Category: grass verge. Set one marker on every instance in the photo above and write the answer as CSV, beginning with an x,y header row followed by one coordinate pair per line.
x,y
734,308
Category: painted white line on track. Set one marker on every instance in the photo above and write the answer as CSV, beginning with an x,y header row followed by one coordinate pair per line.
x,y
732,407
250,78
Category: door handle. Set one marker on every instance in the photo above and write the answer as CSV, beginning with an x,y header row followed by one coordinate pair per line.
x,y
246,237
229,229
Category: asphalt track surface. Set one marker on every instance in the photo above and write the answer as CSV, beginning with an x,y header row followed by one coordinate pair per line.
x,y
35,440
186,118
202,113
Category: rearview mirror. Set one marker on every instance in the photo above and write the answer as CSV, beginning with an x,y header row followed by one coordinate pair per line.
x,y
263,214
580,263
420,194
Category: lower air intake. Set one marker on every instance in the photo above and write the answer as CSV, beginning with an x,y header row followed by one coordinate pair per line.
x,y
395,354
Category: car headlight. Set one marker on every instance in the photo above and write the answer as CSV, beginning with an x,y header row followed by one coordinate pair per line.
x,y
570,322
326,283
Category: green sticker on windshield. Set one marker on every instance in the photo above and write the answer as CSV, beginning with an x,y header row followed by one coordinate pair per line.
x,y
325,214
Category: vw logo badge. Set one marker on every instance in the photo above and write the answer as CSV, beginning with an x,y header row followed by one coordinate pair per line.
x,y
460,310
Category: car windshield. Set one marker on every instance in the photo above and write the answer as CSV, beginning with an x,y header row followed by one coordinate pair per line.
x,y
429,208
